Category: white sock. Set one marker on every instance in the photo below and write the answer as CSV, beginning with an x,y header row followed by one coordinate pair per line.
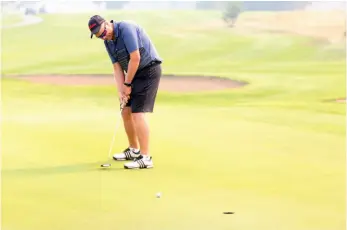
x,y
134,150
146,157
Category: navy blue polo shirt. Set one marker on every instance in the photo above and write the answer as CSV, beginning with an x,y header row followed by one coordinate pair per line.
x,y
128,37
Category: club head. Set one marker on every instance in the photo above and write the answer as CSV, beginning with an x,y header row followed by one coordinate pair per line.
x,y
107,165
228,212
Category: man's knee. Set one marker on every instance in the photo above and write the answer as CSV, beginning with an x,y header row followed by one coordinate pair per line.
x,y
138,117
126,114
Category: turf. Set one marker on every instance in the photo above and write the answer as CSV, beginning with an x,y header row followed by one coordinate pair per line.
x,y
272,152
10,19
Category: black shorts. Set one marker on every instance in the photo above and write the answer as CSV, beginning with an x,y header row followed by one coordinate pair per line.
x,y
144,89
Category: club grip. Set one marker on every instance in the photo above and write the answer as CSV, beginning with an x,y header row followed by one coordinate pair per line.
x,y
122,105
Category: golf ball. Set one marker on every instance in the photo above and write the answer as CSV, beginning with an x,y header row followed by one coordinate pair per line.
x,y
158,195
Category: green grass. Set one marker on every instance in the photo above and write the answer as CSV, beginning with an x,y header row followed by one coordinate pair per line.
x,y
273,152
10,19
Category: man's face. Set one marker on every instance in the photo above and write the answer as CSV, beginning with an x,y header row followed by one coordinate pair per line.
x,y
105,32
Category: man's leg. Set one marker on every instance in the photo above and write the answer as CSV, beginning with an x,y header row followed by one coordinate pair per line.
x,y
145,92
129,127
132,151
142,131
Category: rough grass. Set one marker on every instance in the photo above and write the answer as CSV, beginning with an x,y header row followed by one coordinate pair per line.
x,y
326,25
10,19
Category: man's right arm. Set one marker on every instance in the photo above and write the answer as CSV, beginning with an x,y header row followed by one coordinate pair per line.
x,y
118,72
118,75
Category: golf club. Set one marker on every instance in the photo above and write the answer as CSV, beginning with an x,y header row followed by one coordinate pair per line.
x,y
107,165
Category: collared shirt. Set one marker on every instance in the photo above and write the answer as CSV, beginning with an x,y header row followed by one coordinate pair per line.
x,y
128,37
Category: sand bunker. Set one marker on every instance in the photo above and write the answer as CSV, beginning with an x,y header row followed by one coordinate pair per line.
x,y
171,83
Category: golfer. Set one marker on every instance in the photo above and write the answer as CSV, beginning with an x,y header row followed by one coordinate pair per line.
x,y
137,71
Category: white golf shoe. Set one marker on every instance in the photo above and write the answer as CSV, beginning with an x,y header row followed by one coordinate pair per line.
x,y
127,154
141,162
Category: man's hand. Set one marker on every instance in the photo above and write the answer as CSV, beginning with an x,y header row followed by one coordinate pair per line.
x,y
126,91
122,98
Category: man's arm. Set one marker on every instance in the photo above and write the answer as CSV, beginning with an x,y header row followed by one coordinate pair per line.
x,y
118,75
133,66
131,39
118,72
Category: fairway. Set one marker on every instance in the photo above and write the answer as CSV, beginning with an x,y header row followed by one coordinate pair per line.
x,y
271,151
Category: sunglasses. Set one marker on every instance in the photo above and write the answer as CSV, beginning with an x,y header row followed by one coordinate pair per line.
x,y
101,36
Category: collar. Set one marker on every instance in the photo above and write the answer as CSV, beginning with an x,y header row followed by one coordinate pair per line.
x,y
115,28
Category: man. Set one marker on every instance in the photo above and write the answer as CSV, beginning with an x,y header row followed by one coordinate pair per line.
x,y
137,71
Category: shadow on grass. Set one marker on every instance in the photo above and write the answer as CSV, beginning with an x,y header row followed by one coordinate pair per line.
x,y
63,169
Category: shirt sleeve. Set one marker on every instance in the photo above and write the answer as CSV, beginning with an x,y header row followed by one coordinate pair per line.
x,y
130,37
113,59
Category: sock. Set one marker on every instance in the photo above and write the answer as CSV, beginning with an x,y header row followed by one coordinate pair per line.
x,y
134,150
146,157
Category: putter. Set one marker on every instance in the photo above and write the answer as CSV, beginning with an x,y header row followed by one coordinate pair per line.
x,y
108,164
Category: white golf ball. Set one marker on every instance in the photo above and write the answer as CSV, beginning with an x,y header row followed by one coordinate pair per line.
x,y
158,195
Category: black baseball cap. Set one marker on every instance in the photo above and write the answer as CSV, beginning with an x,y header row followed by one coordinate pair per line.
x,y
94,24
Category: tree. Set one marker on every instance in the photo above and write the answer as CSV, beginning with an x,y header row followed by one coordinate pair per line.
x,y
231,13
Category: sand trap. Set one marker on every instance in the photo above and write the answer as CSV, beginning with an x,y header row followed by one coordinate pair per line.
x,y
171,83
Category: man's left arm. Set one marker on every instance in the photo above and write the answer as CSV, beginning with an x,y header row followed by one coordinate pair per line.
x,y
131,40
134,63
